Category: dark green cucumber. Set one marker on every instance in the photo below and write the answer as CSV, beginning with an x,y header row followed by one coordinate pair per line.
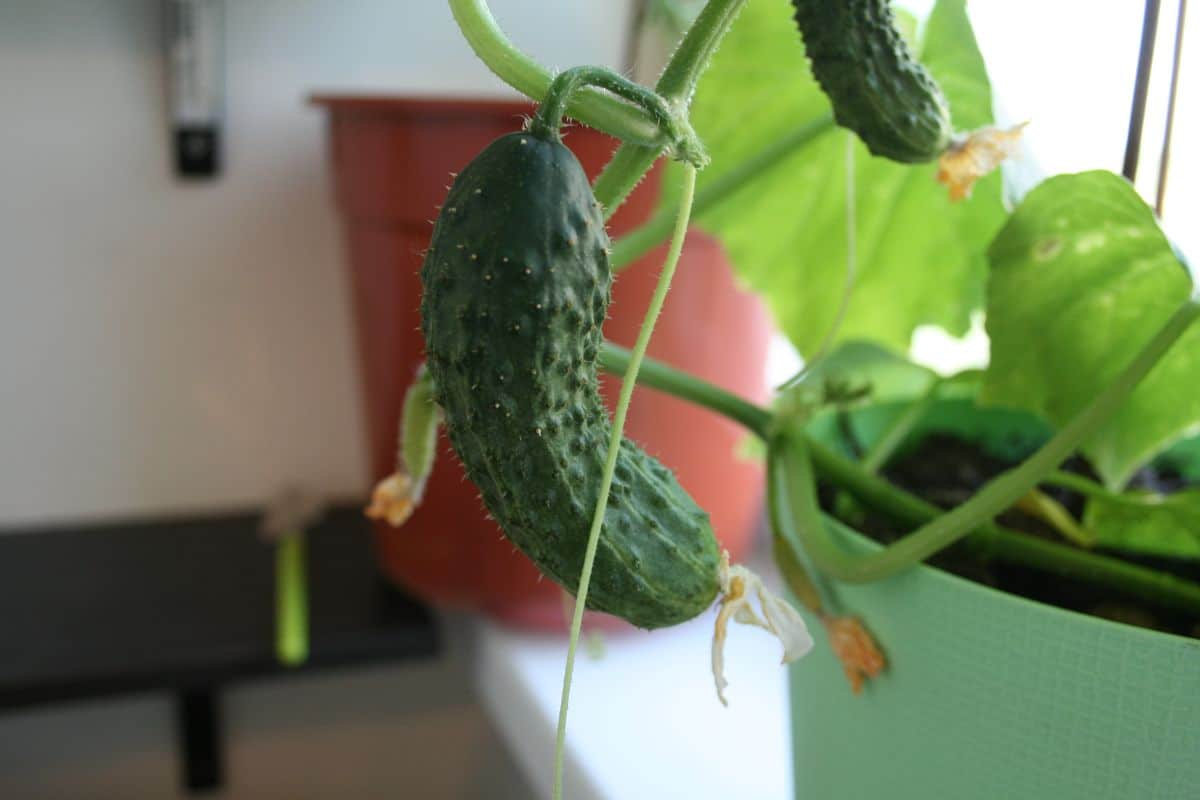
x,y
517,285
878,90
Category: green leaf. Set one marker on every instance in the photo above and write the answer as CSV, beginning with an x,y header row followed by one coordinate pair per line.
x,y
1147,523
919,256
858,363
1081,279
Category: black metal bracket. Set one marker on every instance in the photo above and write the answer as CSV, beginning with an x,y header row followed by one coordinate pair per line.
x,y
201,745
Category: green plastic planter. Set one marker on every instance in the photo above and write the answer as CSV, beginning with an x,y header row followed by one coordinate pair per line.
x,y
989,695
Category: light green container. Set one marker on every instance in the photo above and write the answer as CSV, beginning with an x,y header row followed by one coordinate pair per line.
x,y
988,695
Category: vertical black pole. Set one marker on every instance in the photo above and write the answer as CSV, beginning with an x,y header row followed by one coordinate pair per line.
x,y
1141,86
1165,158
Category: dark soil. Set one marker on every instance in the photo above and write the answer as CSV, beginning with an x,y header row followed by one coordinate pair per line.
x,y
946,471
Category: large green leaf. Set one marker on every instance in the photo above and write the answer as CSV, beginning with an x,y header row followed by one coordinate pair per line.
x,y
919,257
1081,279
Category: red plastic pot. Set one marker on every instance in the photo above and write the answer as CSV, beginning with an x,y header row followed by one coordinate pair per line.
x,y
392,159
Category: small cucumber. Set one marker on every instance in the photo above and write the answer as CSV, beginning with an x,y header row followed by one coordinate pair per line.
x,y
517,285
878,90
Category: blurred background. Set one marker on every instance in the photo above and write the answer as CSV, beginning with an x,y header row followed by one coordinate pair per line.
x,y
176,346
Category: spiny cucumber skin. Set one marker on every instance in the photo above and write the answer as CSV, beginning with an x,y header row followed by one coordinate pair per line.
x,y
516,286
878,90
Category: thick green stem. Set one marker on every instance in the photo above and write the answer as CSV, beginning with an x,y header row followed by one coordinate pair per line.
x,y
676,84
546,122
656,375
614,448
696,49
597,109
569,82
654,232
622,174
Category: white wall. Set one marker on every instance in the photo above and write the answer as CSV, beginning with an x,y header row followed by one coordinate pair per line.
x,y
166,347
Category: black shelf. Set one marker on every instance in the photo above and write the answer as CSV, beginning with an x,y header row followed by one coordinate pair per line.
x,y
186,605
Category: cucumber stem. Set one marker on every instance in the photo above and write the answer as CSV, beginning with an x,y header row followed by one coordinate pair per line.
x,y
641,240
548,119
677,82
614,448
597,109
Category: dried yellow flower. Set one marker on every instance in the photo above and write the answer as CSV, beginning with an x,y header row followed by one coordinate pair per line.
x,y
738,585
394,499
855,647
969,159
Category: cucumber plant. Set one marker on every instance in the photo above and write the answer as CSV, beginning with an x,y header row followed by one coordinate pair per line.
x,y
517,284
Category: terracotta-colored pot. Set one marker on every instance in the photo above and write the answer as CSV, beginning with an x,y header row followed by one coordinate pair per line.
x,y
392,159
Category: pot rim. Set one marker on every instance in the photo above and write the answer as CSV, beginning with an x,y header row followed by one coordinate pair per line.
x,y
388,104
1066,615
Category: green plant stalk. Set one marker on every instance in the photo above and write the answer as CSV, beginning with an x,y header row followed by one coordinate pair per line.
x,y
548,119
653,232
599,110
1089,488
614,447
696,49
1010,546
657,375
291,600
1006,489
786,552
622,174
677,82
887,444
1040,505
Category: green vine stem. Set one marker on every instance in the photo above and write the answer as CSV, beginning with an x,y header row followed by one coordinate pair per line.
x,y
677,82
548,119
894,435
1006,489
642,140
597,109
614,447
994,541
657,375
653,232
625,171
1089,488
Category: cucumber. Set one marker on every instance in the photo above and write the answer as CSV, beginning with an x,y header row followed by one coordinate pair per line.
x,y
516,286
878,90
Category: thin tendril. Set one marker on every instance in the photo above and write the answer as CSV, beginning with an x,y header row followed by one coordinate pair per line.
x,y
610,464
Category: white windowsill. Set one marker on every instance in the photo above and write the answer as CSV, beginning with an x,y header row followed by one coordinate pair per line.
x,y
644,718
